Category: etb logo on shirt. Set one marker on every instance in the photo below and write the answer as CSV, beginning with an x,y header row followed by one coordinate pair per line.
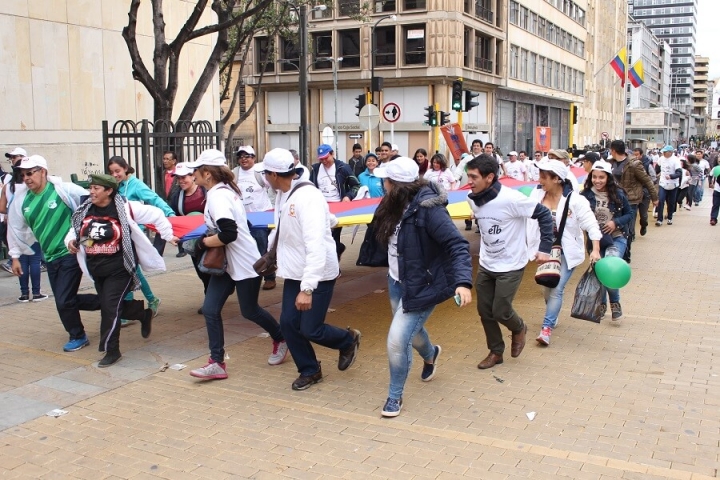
x,y
494,230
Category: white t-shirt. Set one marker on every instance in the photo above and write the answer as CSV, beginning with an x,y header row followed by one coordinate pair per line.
x,y
668,167
328,184
704,164
459,172
223,202
441,177
5,181
394,268
254,195
532,171
502,222
515,170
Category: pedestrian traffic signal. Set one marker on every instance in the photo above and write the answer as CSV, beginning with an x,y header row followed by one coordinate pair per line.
x,y
574,114
431,116
457,95
444,118
469,102
361,100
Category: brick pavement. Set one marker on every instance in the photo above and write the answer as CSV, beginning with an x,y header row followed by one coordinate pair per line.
x,y
635,401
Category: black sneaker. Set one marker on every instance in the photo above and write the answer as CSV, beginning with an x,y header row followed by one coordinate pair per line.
x,y
181,254
643,231
347,356
23,298
39,297
303,382
429,369
110,358
146,323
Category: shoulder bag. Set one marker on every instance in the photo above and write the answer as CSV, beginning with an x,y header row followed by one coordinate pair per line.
x,y
548,274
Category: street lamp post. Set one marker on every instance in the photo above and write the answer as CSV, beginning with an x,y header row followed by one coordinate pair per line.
x,y
373,47
335,90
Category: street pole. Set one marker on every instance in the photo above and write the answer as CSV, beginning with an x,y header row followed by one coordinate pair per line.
x,y
373,47
302,18
336,109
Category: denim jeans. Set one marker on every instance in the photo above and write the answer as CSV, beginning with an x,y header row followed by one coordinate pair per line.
x,y
554,296
248,291
31,271
407,331
699,193
302,327
144,287
715,205
64,274
669,197
261,239
615,250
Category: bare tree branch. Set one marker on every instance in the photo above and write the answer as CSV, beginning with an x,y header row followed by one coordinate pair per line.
x,y
189,26
229,23
139,71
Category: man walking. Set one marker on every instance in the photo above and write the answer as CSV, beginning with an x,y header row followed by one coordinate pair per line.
x,y
357,161
41,212
644,205
670,175
501,213
307,261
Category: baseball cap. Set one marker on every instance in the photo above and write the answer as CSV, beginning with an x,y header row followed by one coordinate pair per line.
x,y
245,148
16,152
603,166
561,154
402,169
210,158
103,180
323,151
667,148
591,157
555,166
394,147
32,162
512,154
182,169
278,160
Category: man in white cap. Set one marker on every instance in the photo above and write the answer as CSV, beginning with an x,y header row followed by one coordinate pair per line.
x,y
7,178
41,211
307,260
514,168
668,180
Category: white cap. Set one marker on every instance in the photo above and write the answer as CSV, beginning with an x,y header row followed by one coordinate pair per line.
x,y
17,152
182,169
512,154
603,166
32,162
394,147
555,166
402,169
245,148
277,160
211,158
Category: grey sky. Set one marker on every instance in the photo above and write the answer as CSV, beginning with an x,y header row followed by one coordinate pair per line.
x,y
707,35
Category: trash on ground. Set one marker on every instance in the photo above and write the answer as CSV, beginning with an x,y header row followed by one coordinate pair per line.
x,y
263,335
164,367
379,290
331,310
177,366
56,413
498,379
531,415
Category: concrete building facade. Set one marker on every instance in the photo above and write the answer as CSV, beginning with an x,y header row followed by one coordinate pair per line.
x,y
66,68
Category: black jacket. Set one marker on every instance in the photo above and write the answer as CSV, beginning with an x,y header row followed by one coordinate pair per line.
x,y
347,182
175,198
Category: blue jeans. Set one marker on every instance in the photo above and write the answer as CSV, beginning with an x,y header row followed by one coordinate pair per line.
x,y
616,250
302,327
699,191
248,291
144,287
31,271
64,274
407,331
554,296
669,196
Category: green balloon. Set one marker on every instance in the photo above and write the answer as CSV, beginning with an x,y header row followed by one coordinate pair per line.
x,y
526,190
613,272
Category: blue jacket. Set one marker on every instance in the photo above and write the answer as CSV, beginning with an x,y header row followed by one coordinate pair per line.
x,y
433,257
135,189
373,184
622,214
347,182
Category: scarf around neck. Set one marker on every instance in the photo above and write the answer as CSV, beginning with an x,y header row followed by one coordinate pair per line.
x,y
487,195
127,247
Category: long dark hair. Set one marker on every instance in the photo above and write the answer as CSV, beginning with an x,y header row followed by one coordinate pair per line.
x,y
611,187
441,160
221,174
423,166
122,163
392,206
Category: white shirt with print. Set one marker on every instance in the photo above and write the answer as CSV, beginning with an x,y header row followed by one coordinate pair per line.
x,y
515,170
441,177
255,196
328,184
668,167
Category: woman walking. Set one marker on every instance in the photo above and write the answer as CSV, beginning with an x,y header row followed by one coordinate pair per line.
x,y
225,214
439,172
429,262
696,179
556,194
612,210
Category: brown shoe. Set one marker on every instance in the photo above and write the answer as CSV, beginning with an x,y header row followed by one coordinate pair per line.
x,y
518,342
304,382
490,361
269,285
347,356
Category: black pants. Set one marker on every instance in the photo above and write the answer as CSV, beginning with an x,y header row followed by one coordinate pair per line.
x,y
339,246
715,205
111,290
159,244
643,210
64,274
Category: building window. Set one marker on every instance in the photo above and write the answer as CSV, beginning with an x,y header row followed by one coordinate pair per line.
x,y
482,9
322,47
532,67
467,43
513,61
264,55
290,51
348,8
385,6
349,48
414,5
414,36
385,47
523,64
514,12
482,54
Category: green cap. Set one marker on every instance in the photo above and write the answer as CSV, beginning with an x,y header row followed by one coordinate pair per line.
x,y
103,180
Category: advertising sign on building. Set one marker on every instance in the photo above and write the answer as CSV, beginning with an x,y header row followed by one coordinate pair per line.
x,y
543,139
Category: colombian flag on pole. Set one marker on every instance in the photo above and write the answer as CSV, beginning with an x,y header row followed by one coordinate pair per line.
x,y
636,74
619,64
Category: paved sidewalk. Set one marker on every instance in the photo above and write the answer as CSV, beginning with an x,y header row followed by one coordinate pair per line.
x,y
636,401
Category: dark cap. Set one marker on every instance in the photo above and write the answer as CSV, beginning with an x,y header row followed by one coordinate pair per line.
x,y
591,157
103,180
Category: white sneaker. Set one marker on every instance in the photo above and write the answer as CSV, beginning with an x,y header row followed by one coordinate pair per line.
x,y
279,353
211,371
654,214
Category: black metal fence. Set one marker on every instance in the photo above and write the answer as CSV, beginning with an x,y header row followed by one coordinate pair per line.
x,y
142,144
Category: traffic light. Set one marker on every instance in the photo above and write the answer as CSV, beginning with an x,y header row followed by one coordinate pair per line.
x,y
431,116
457,95
469,102
361,100
444,118
574,114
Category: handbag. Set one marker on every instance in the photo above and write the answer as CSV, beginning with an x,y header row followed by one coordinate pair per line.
x,y
267,263
213,260
548,274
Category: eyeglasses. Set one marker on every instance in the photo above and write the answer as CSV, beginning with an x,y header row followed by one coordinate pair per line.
x,y
538,155
30,173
